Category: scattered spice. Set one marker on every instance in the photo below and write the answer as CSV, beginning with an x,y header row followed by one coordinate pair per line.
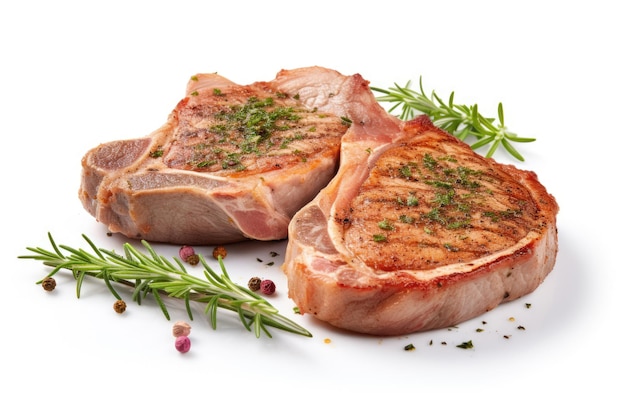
x,y
410,346
119,306
182,344
181,328
193,259
258,127
521,328
379,238
268,287
49,284
327,340
219,251
185,252
528,305
156,153
466,345
254,283
385,224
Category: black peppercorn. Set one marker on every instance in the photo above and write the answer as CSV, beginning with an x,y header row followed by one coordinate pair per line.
x,y
254,283
48,284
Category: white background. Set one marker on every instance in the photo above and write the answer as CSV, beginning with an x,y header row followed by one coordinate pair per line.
x,y
76,74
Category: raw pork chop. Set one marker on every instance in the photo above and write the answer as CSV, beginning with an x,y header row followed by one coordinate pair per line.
x,y
418,232
232,162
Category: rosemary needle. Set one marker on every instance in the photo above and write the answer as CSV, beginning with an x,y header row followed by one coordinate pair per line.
x,y
459,120
154,274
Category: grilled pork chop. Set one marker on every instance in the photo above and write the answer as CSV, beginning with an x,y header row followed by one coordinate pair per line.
x,y
231,163
418,232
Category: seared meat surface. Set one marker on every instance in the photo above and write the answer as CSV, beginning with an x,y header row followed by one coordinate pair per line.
x,y
231,163
418,232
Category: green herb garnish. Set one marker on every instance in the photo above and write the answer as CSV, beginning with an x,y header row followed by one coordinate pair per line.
x,y
459,120
154,274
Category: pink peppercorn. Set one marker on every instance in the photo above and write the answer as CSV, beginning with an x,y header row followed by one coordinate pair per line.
x,y
186,252
183,344
268,287
181,328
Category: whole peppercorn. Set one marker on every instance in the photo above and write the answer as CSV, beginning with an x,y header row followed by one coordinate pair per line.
x,y
48,284
254,283
193,259
119,306
219,251
182,344
268,287
181,328
185,252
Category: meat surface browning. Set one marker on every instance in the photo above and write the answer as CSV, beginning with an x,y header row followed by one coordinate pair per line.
x,y
418,232
231,163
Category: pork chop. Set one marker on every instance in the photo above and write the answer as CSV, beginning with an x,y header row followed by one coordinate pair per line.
x,y
418,232
231,163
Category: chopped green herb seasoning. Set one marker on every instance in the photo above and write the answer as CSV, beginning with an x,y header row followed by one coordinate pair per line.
x,y
157,153
250,127
429,162
385,225
450,247
466,345
406,219
379,238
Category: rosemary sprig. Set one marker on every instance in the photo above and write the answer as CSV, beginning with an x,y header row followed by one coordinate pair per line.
x,y
459,120
154,274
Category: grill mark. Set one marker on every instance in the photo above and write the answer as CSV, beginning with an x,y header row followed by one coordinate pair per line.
x,y
465,208
200,145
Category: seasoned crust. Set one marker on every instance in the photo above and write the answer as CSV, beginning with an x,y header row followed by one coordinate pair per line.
x,y
412,280
231,163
